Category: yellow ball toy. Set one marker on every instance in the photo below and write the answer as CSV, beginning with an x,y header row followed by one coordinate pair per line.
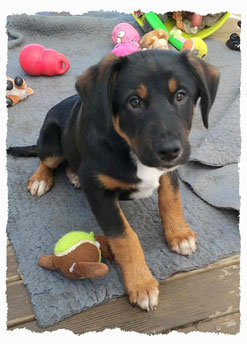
x,y
197,46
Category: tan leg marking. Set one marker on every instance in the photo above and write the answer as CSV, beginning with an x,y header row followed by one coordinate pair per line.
x,y
179,236
139,283
53,162
42,179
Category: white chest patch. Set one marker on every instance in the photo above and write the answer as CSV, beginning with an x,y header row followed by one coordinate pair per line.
x,y
149,180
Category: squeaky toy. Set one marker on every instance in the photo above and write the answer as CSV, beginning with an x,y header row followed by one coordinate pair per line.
x,y
78,255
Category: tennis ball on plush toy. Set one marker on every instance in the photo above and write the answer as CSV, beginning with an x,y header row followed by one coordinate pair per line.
x,y
78,255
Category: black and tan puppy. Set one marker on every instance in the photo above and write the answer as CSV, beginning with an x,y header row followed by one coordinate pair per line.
x,y
123,137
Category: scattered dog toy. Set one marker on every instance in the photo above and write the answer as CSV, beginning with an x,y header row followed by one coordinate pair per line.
x,y
177,16
16,90
36,60
126,39
155,39
188,25
197,46
234,42
125,48
78,255
209,24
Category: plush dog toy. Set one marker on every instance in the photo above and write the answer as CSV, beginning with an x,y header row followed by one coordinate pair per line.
x,y
126,39
125,33
17,90
125,48
78,255
155,39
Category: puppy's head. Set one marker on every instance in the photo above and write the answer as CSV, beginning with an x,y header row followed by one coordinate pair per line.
x,y
149,98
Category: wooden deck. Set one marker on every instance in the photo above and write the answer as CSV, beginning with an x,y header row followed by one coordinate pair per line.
x,y
205,300
200,300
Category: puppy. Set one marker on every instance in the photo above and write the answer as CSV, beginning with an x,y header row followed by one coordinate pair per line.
x,y
123,136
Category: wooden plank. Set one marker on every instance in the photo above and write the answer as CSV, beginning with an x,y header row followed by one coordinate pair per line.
x,y
204,296
229,324
19,305
233,260
12,266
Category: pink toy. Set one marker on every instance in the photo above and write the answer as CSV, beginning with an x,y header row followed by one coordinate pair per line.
x,y
125,48
126,39
196,20
36,60
125,33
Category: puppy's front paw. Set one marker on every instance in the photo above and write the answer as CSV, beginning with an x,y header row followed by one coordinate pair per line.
x,y
39,187
41,181
144,293
185,247
182,241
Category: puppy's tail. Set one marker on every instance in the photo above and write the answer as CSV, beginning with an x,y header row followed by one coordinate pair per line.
x,y
28,151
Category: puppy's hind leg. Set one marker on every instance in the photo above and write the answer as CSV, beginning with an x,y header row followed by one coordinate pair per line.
x,y
73,177
42,179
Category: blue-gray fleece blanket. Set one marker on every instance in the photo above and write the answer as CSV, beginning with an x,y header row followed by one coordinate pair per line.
x,y
209,182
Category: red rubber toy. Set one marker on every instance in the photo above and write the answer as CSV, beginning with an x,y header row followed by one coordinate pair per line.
x,y
36,60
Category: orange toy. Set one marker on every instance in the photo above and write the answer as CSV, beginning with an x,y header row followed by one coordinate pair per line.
x,y
177,15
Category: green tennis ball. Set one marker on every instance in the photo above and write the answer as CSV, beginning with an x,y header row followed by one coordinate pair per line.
x,y
71,239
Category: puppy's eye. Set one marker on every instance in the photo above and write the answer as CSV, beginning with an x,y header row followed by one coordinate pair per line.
x,y
135,102
180,96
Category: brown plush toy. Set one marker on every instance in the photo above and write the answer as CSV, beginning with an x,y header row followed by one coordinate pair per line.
x,y
78,255
177,15
16,90
155,39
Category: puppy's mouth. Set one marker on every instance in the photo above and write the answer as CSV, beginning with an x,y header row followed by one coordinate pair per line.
x,y
152,159
161,165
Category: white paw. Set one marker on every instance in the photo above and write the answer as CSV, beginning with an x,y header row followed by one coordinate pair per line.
x,y
38,188
73,177
150,301
147,300
185,247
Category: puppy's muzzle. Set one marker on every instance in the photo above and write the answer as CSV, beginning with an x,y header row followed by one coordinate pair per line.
x,y
168,150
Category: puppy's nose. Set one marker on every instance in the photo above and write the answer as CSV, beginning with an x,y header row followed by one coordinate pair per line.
x,y
169,150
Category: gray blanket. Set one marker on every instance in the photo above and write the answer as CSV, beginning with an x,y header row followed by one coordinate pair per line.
x,y
209,182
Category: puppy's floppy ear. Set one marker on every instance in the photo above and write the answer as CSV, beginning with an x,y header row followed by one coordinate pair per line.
x,y
207,78
96,85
